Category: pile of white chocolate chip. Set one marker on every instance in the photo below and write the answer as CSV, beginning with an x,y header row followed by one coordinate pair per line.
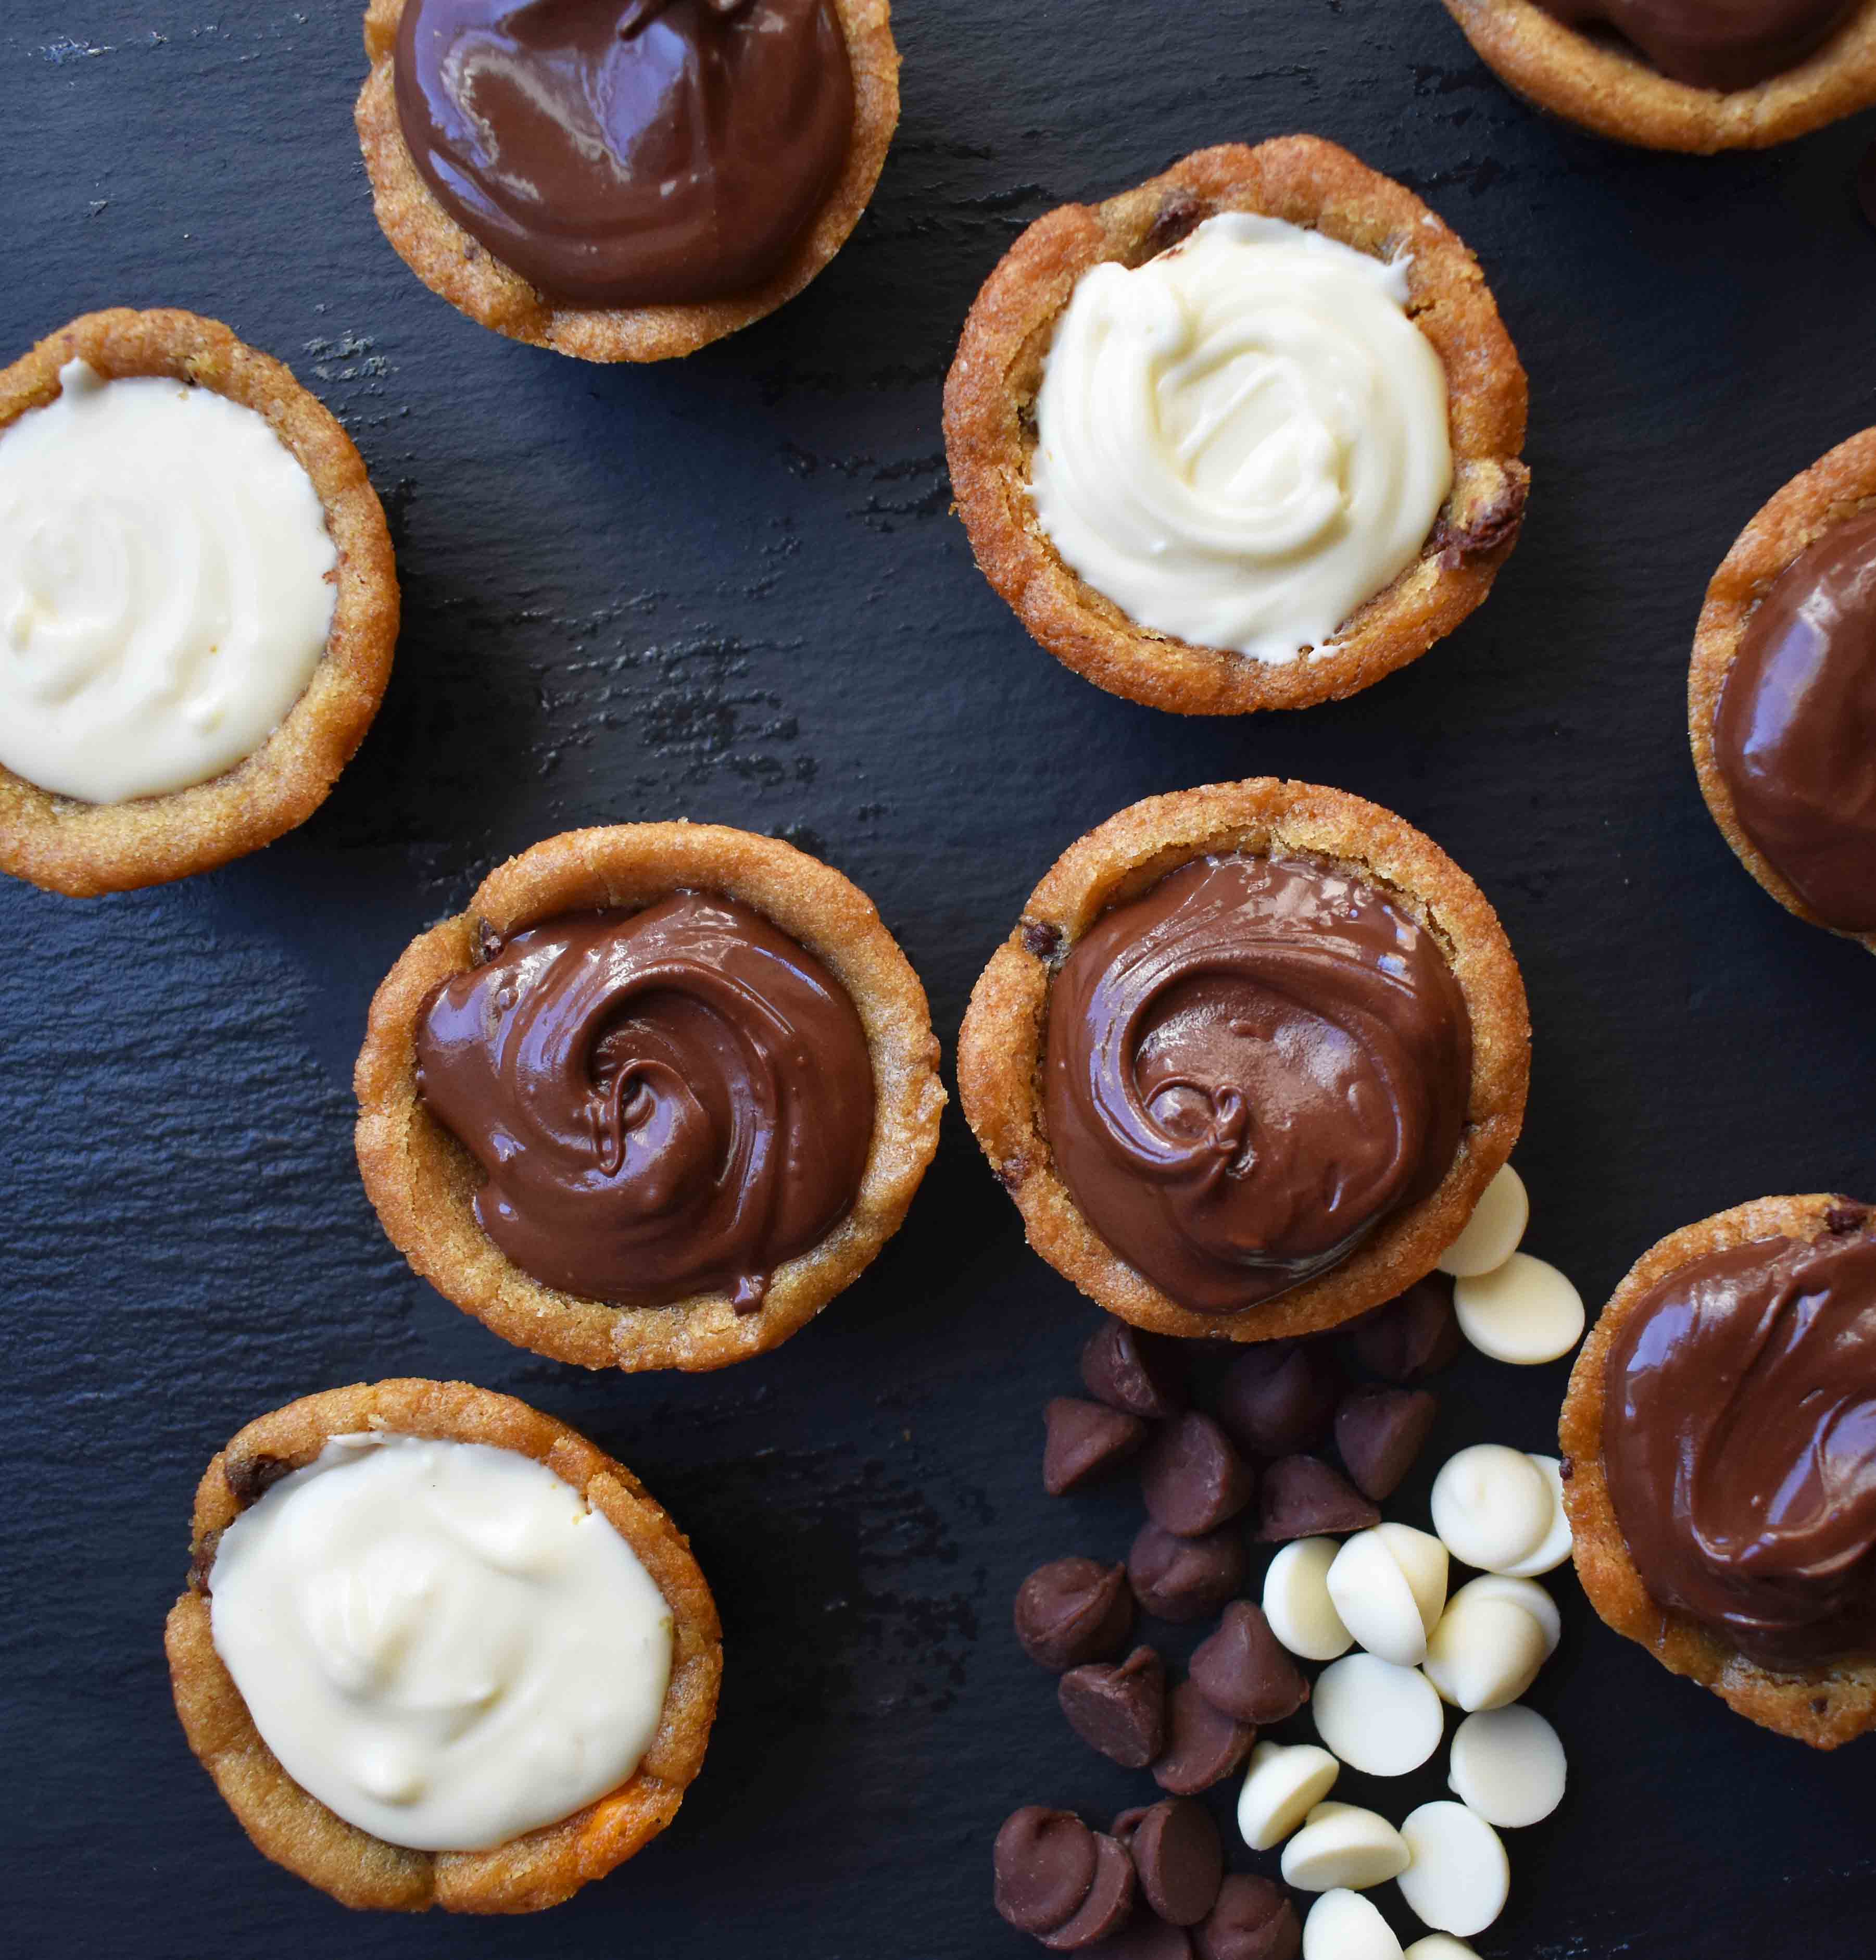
x,y
1384,1591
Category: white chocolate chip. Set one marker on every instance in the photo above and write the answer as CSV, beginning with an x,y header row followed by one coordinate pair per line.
x,y
1492,1507
1524,1593
1439,1946
1389,1585
1296,1601
1493,1232
1508,1765
1283,1784
1344,1926
1524,1311
1341,1845
1381,1719
1554,1547
1484,1653
1460,1874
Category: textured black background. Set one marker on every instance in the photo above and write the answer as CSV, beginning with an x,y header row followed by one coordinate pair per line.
x,y
730,588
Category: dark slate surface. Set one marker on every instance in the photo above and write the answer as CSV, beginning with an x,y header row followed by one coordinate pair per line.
x,y
730,588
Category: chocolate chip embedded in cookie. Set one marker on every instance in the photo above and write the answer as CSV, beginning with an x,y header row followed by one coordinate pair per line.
x,y
177,688
1720,1498
629,180
658,1095
1215,533
1682,74
312,1659
1281,1049
1782,694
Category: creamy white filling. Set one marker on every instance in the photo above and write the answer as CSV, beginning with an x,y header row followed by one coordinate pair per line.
x,y
440,1640
1243,440
164,586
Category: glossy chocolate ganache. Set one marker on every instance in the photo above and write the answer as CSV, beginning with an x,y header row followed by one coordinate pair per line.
x,y
1721,44
628,153
664,1103
1739,1439
1249,1067
1794,736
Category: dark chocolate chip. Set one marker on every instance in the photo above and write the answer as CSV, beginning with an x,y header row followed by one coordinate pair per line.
x,y
1178,217
1567,1467
1380,1431
1084,1441
488,943
1191,1477
1847,1217
1253,1920
1203,1747
1179,1859
1494,520
1411,1337
1302,1497
1041,940
1245,1671
249,1478
202,1563
1820,1704
1109,1901
1123,1826
1181,1578
1044,1863
1120,1710
1073,1610
1274,1405
1143,1937
1142,1373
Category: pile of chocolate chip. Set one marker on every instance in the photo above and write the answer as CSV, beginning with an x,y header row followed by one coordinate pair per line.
x,y
1154,1887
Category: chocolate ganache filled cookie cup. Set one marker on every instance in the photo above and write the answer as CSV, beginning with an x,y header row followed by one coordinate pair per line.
x,y
418,1673
1782,694
1699,76
653,1100
1248,1059
1247,437
1719,1454
623,179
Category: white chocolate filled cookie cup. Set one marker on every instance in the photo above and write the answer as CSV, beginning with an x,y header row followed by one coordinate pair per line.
x,y
539,1867
83,848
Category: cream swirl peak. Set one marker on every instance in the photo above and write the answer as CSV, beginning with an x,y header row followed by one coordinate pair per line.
x,y
166,587
1248,1066
666,1103
440,1640
1243,440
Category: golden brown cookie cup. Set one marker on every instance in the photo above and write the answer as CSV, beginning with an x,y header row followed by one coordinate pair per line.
x,y
1823,1707
423,1182
465,273
82,849
292,1827
1600,83
990,435
1001,1047
1838,486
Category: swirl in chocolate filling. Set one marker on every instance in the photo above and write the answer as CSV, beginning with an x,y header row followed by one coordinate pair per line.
x,y
628,152
1249,1067
1722,44
1739,1439
665,1103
